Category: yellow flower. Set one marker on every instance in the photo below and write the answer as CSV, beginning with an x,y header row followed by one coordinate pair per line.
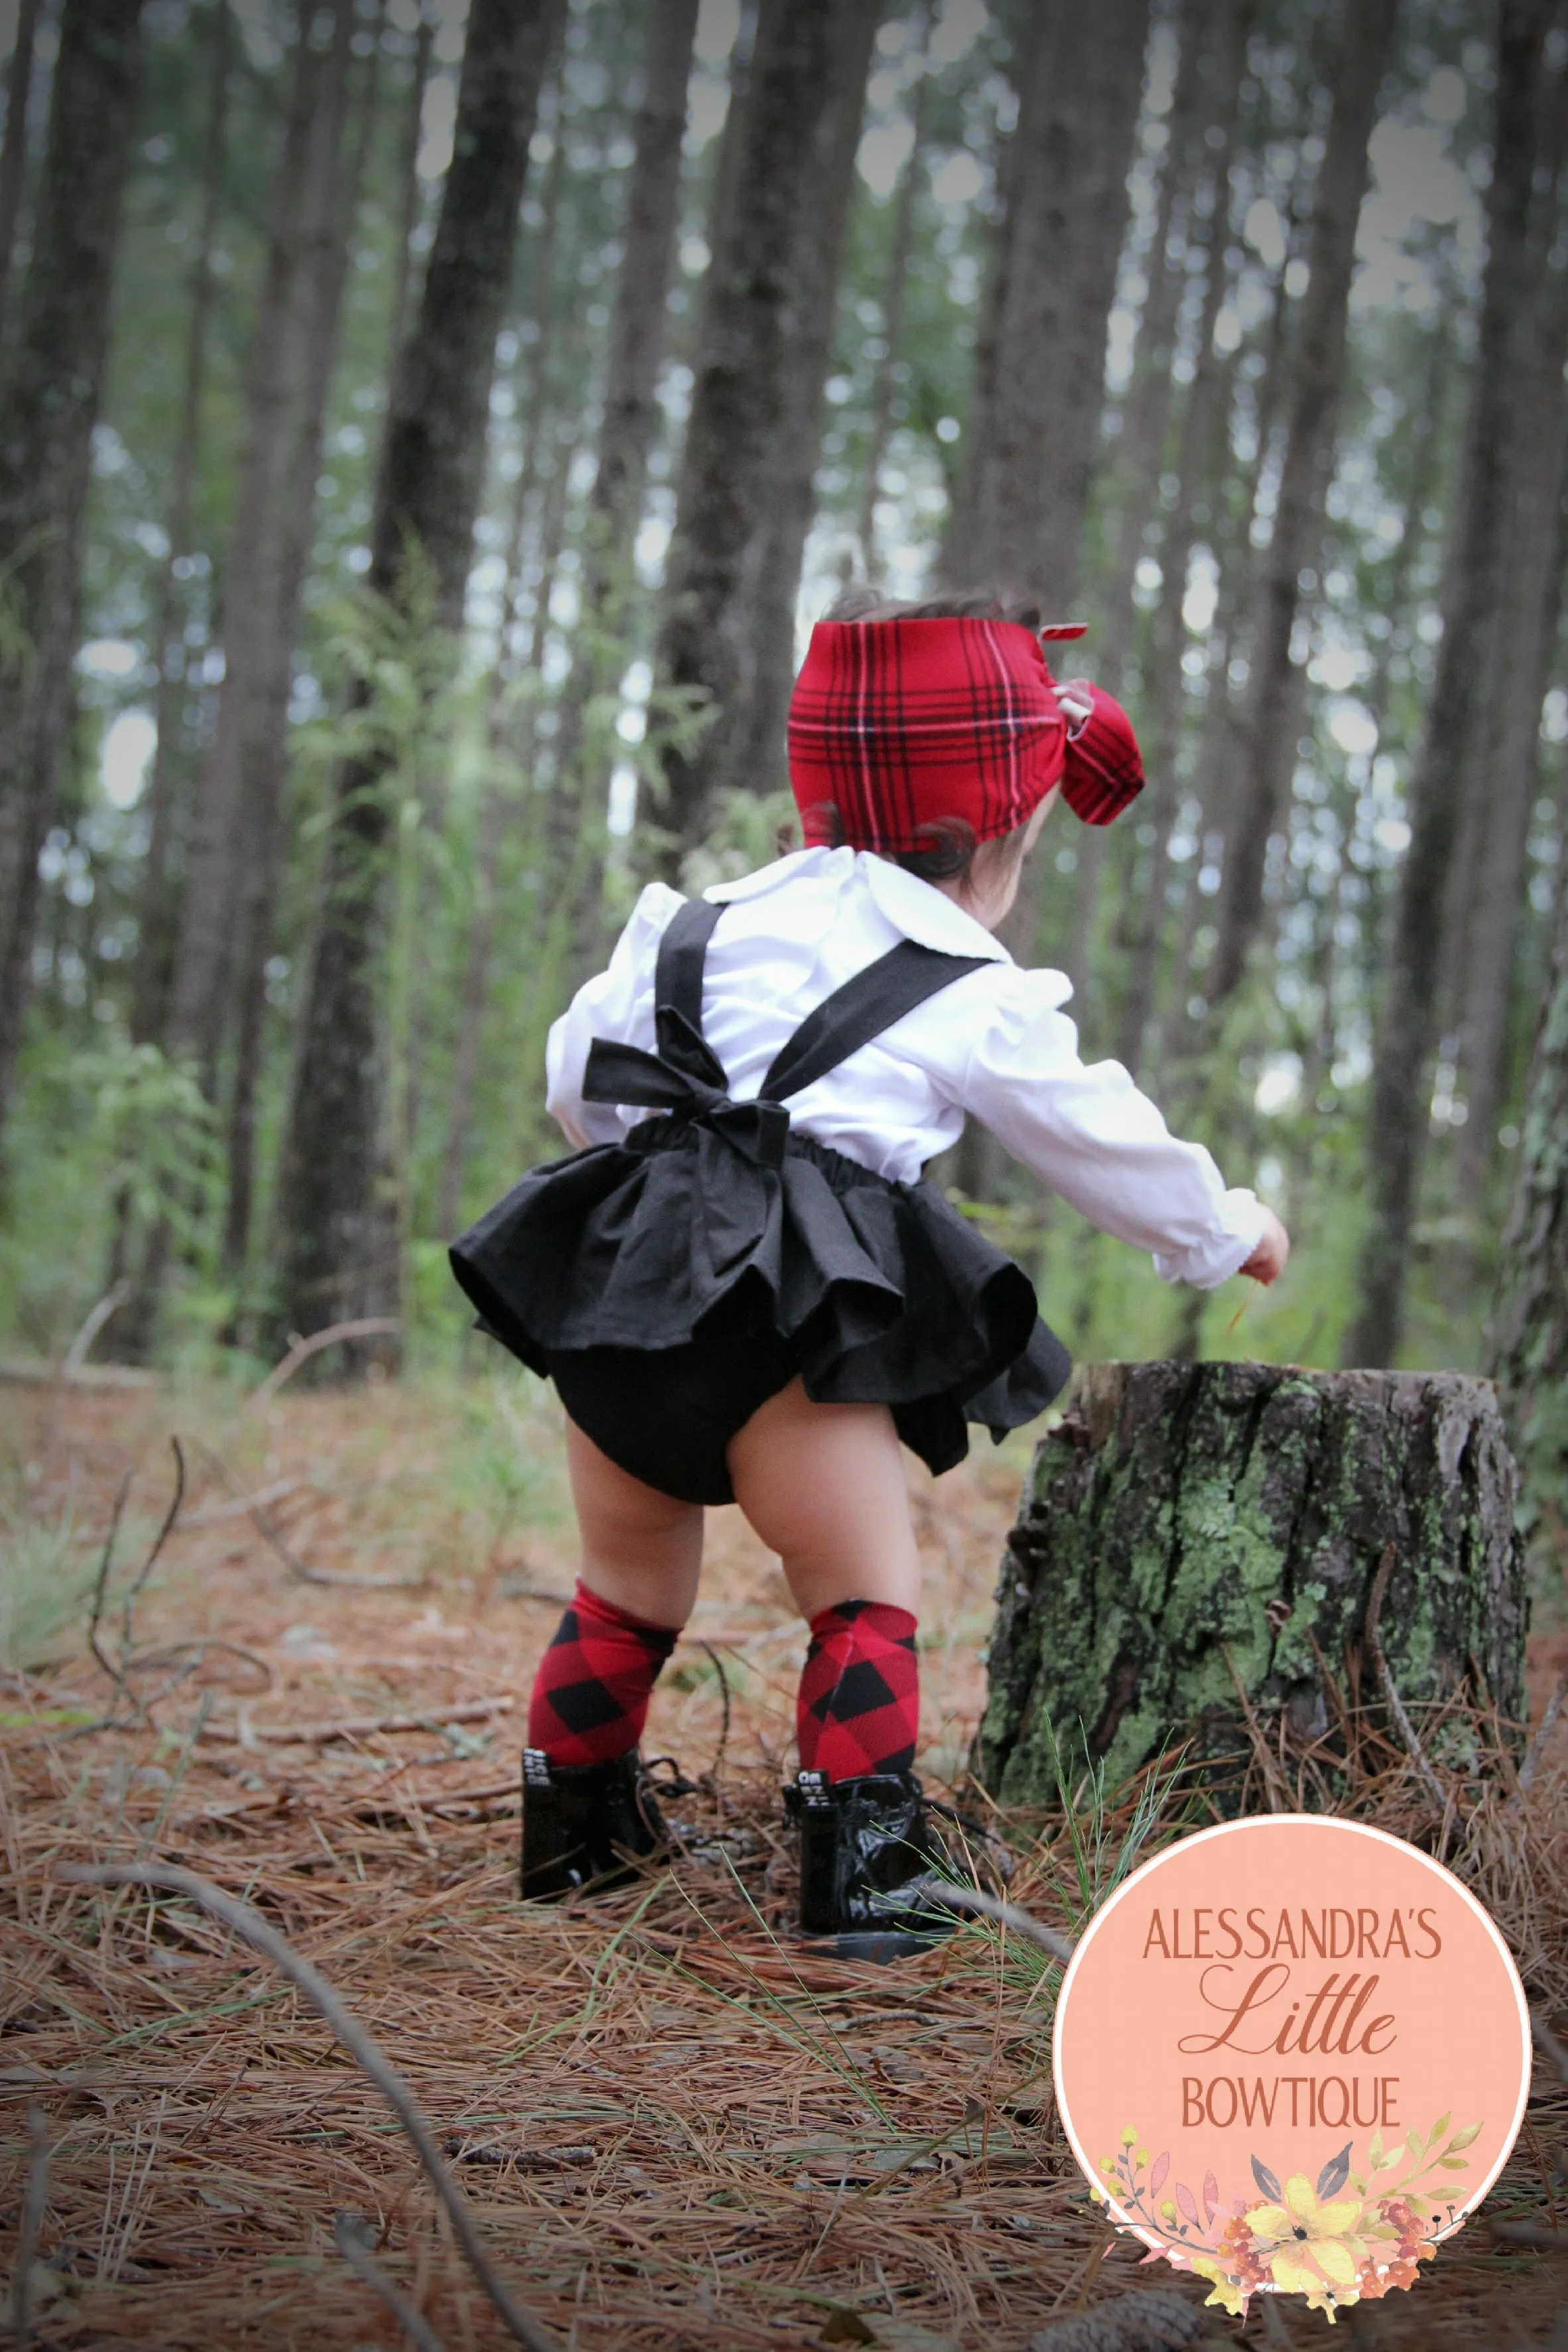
x,y
1227,2293
1128,2136
1303,2230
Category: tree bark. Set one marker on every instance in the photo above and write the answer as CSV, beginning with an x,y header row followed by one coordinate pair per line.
x,y
48,407
1530,1319
1041,367
158,918
266,753
409,186
1504,787
1209,67
758,758
291,352
1479,556
14,155
1307,468
740,403
885,380
629,425
1200,467
1189,1529
339,1257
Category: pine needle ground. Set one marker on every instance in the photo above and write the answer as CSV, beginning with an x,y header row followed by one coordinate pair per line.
x,y
676,2132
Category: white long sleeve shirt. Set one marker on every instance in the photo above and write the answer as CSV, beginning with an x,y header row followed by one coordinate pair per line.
x,y
994,1043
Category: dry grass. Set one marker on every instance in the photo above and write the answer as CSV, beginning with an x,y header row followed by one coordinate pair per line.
x,y
676,2134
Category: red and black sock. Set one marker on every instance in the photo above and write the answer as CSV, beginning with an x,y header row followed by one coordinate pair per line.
x,y
859,1702
591,1693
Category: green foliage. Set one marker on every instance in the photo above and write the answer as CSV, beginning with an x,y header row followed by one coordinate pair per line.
x,y
44,1582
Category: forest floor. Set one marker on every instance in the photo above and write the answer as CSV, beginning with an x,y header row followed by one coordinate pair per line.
x,y
676,2134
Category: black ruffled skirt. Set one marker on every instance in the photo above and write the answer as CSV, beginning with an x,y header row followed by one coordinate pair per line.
x,y
664,1280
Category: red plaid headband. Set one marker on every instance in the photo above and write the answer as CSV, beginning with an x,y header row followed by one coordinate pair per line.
x,y
897,724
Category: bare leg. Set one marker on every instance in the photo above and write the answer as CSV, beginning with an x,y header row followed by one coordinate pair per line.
x,y
641,1550
823,1484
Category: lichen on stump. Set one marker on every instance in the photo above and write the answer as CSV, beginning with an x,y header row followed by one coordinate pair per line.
x,y
1188,1527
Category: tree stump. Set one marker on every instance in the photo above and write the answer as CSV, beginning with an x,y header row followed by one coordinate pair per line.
x,y
1190,1532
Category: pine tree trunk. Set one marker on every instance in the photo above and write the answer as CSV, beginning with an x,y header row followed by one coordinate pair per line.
x,y
1200,466
338,1251
1307,468
260,605
885,379
265,769
157,921
1479,557
758,760
1529,1319
47,410
14,155
1191,1533
1504,782
1199,99
740,403
1041,370
629,422
409,186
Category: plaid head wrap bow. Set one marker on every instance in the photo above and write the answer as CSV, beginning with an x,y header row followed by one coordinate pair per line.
x,y
896,724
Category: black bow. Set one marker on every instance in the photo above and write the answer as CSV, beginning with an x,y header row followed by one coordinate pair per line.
x,y
686,1080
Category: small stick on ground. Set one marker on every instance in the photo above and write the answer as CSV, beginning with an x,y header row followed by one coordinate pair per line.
x,y
363,1327
1537,1748
363,1727
100,1586
1395,1704
247,1923
267,1530
1551,2049
33,2206
352,2236
988,1906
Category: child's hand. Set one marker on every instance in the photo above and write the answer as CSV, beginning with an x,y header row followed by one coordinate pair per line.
x,y
1268,1260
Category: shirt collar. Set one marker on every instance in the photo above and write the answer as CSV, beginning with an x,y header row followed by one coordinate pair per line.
x,y
918,909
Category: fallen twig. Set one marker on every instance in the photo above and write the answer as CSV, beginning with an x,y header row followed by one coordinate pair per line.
x,y
352,2236
216,1514
1395,1704
358,1727
1551,2049
33,2206
270,1535
100,1586
75,1355
362,1326
988,1906
247,1923
1537,1748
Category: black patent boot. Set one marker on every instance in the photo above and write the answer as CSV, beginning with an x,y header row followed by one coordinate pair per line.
x,y
581,1824
865,1846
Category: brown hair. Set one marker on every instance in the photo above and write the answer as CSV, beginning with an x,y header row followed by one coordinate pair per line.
x,y
949,850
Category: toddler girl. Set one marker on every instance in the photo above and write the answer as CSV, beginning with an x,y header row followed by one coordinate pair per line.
x,y
740,1282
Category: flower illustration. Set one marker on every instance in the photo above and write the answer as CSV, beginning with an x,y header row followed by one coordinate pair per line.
x,y
1309,2242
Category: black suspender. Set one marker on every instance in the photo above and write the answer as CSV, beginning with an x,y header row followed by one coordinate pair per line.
x,y
851,1017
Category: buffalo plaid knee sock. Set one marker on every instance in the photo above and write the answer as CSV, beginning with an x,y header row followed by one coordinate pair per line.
x,y
859,1702
591,1693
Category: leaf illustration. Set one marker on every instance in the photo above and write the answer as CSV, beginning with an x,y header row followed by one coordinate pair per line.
x,y
1415,2143
1157,2178
1438,2129
1266,2180
1453,2164
1335,2173
1470,2133
1184,2199
1374,2150
1211,2198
